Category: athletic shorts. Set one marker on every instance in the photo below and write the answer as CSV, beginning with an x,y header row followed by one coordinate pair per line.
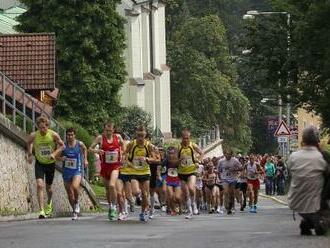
x,y
106,170
243,187
140,178
185,178
44,171
219,186
255,183
67,177
174,184
124,178
230,182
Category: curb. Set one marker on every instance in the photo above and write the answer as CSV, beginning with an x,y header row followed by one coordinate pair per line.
x,y
274,199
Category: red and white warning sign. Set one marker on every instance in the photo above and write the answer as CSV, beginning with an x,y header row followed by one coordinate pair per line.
x,y
282,130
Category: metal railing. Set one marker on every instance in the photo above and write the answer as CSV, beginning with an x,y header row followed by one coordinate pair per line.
x,y
208,138
23,109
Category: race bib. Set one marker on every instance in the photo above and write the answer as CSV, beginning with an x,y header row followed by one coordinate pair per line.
x,y
229,174
70,163
45,151
172,172
138,163
186,162
111,157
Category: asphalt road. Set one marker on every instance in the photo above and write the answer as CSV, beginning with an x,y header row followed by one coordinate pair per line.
x,y
272,227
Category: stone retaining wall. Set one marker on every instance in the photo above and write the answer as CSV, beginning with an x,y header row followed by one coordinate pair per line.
x,y
17,182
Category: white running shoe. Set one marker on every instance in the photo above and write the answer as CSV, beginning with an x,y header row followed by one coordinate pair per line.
x,y
77,208
195,210
74,216
163,208
121,216
188,216
151,214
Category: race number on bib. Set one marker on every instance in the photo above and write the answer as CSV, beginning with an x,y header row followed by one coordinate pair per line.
x,y
111,157
70,163
45,151
186,162
138,163
172,172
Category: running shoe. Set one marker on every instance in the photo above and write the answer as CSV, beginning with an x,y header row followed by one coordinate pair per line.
x,y
42,214
229,212
142,217
163,208
113,214
195,210
121,216
77,208
251,210
188,216
255,209
151,214
74,216
242,209
49,209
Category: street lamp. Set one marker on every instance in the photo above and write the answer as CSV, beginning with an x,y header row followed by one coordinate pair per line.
x,y
251,14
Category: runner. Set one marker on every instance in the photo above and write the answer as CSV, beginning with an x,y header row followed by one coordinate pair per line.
x,y
242,184
253,170
43,143
156,183
228,169
140,154
111,149
74,156
173,181
200,187
188,169
211,189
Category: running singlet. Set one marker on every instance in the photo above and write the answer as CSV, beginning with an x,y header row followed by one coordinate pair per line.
x,y
44,146
73,159
228,169
172,173
187,166
251,171
111,156
137,158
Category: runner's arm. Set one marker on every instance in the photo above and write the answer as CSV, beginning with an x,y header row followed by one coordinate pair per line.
x,y
84,153
121,142
96,142
154,158
199,151
29,146
60,145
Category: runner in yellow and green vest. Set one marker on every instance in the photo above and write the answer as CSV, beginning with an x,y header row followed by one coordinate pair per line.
x,y
188,170
45,144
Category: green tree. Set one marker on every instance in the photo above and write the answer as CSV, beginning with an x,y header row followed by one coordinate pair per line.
x,y
89,45
132,117
203,89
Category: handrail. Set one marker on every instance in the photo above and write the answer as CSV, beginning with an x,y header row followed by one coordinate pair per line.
x,y
208,138
14,98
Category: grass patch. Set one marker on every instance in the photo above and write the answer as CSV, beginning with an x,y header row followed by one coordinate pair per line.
x,y
99,190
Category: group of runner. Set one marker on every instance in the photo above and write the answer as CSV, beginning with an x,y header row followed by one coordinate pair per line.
x,y
184,181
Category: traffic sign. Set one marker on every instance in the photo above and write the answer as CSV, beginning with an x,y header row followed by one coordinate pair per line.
x,y
282,139
282,130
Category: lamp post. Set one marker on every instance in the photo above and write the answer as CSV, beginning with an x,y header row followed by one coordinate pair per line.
x,y
251,14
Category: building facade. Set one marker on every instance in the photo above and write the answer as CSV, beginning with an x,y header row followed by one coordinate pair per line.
x,y
148,82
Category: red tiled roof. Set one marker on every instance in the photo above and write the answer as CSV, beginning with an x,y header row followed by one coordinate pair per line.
x,y
29,60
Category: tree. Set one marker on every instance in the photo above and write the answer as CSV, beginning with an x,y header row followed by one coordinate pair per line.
x,y
89,45
132,117
203,90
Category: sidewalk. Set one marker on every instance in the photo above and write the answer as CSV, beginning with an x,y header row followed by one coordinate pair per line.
x,y
282,199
